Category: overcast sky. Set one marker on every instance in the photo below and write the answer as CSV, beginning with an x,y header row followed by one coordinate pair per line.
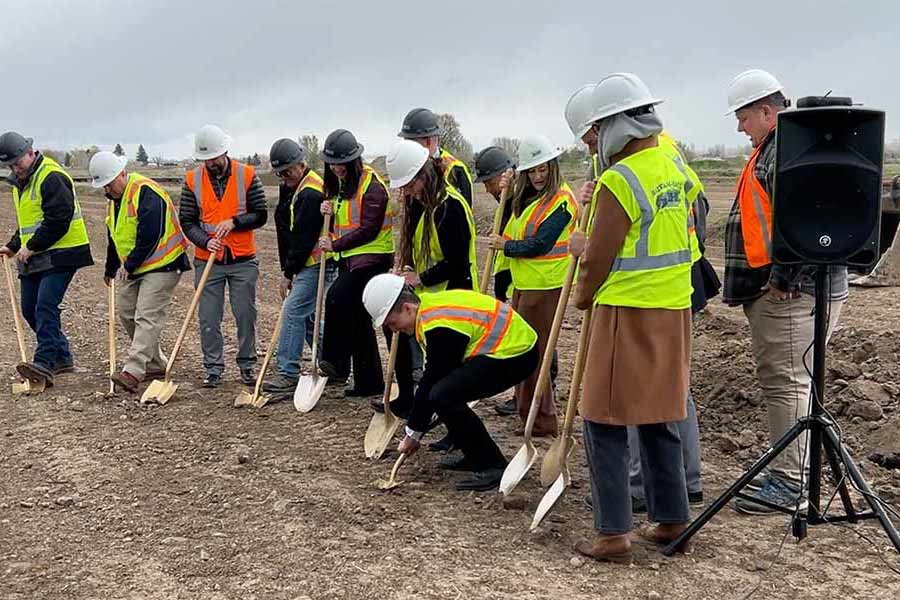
x,y
81,72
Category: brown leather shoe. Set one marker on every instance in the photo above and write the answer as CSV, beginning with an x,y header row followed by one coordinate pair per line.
x,y
663,535
125,381
152,374
607,548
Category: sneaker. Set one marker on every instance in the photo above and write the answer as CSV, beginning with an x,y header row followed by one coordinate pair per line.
x,y
248,376
398,407
481,481
758,482
280,384
125,381
777,491
212,380
330,371
67,366
695,498
505,409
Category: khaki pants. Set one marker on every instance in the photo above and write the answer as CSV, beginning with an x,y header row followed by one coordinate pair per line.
x,y
782,336
143,310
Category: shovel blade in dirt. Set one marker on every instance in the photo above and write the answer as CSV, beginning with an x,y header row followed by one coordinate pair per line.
x,y
27,387
518,467
550,498
553,460
245,398
159,392
391,483
382,429
309,390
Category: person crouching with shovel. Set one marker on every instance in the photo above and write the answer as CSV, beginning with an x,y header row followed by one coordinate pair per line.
x,y
475,347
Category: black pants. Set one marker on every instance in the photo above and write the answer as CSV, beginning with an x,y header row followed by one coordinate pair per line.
x,y
348,331
480,377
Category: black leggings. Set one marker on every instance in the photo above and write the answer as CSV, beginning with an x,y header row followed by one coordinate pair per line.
x,y
348,329
478,378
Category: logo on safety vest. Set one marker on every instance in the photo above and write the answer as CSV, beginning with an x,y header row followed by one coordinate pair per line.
x,y
667,199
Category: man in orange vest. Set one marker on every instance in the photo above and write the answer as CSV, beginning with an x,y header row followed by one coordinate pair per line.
x,y
777,300
222,202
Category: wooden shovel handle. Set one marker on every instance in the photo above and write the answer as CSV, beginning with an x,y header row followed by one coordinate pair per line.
x,y
17,314
320,294
111,333
584,340
389,379
498,221
190,313
543,381
270,350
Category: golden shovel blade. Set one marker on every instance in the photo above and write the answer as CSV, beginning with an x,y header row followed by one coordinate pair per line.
x,y
391,483
550,468
159,392
550,498
28,387
243,399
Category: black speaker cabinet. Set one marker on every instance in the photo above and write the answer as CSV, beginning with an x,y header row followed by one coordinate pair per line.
x,y
827,197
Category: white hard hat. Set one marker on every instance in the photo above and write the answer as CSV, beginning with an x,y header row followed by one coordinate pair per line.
x,y
104,167
618,93
750,86
211,142
404,161
380,295
579,109
535,150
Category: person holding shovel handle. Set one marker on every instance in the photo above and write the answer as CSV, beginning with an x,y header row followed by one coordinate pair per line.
x,y
146,256
544,210
635,271
476,347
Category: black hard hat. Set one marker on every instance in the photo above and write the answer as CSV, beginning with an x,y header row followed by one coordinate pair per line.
x,y
341,147
492,161
12,147
420,123
286,153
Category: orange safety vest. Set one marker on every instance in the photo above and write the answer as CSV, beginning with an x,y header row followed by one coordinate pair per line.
x,y
756,215
214,210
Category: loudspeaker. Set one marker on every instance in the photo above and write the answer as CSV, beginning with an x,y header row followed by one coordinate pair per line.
x,y
827,196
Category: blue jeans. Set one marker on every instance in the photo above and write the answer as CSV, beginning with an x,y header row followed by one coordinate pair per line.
x,y
299,318
42,294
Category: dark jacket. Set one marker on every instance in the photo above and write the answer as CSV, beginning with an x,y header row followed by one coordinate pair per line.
x,y
58,206
448,349
544,238
298,238
151,227
453,236
256,216
461,183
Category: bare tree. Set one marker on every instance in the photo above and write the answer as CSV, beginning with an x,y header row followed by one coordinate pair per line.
x,y
511,145
453,140
313,158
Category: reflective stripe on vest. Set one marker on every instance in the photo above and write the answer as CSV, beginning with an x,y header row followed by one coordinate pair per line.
x,y
756,214
449,162
30,214
312,181
348,214
123,227
546,271
238,173
425,258
642,260
493,327
212,209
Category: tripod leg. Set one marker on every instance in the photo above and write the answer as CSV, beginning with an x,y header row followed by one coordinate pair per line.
x,y
762,462
831,451
868,494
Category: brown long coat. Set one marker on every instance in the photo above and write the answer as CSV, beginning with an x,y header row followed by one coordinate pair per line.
x,y
638,363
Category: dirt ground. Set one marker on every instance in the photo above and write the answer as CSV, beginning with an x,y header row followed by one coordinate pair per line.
x,y
103,498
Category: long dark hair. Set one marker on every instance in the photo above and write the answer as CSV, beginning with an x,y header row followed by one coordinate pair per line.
x,y
524,193
432,173
347,188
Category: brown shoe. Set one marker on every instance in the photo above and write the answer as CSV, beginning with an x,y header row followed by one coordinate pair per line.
x,y
126,381
152,374
663,535
607,548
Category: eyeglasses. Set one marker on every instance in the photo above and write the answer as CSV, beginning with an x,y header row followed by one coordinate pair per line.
x,y
283,173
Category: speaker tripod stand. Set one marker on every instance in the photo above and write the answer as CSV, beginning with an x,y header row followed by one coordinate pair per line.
x,y
823,436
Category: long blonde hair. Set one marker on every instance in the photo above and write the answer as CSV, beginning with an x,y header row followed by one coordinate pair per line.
x,y
523,190
435,190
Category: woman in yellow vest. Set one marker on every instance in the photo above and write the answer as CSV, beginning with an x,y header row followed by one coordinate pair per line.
x,y
545,211
636,273
362,241
51,243
145,255
477,347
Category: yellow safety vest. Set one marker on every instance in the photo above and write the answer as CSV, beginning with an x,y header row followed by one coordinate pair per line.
x,y
546,272
426,258
30,214
653,267
693,187
450,162
313,181
348,213
494,329
123,227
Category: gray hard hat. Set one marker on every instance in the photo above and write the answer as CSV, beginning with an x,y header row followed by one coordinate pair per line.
x,y
341,147
13,146
286,153
420,123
